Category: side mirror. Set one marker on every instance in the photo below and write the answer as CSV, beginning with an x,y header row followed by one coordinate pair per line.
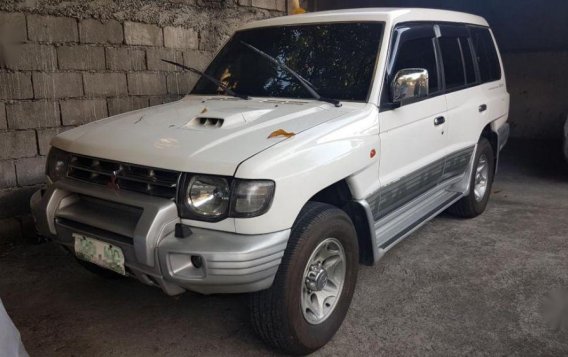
x,y
409,84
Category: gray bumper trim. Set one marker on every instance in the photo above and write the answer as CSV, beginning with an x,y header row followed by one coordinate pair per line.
x,y
158,215
232,263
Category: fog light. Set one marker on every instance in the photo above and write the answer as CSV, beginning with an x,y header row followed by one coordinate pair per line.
x,y
197,261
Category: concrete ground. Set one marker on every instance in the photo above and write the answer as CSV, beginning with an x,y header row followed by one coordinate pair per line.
x,y
454,287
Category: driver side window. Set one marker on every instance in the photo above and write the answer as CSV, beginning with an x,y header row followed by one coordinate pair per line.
x,y
419,53
413,46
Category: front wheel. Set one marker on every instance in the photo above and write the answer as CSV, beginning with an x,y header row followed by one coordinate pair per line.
x,y
475,202
314,285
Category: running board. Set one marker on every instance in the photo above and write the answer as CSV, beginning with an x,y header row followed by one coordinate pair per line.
x,y
390,233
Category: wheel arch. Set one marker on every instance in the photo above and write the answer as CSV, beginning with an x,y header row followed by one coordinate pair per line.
x,y
339,195
493,139
492,136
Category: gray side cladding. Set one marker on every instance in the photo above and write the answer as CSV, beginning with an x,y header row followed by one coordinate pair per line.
x,y
394,195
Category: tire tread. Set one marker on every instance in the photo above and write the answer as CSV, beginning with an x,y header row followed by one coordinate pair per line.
x,y
266,316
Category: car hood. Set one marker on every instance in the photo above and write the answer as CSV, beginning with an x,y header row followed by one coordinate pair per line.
x,y
197,134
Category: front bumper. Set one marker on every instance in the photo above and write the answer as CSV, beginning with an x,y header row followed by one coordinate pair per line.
x,y
144,228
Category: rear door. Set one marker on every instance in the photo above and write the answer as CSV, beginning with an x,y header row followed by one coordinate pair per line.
x,y
495,97
464,96
413,140
475,87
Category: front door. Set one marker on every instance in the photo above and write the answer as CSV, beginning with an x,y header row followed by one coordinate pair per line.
x,y
413,136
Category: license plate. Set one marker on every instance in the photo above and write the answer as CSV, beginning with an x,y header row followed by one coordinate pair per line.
x,y
100,253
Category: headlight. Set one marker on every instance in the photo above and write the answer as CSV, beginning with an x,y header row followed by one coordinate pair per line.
x,y
56,166
208,196
251,198
213,198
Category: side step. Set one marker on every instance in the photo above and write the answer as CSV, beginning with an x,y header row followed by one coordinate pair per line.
x,y
395,227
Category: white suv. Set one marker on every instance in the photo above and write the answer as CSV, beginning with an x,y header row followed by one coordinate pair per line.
x,y
311,143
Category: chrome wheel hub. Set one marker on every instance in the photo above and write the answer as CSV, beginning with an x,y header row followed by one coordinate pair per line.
x,y
317,278
323,280
481,178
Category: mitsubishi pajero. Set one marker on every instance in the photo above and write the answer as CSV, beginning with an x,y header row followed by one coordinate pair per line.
x,y
311,144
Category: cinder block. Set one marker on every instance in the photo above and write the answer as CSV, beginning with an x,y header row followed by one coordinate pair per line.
x,y
39,114
125,104
179,37
30,56
172,98
281,5
57,85
16,86
94,31
16,201
265,4
82,111
210,40
142,83
52,29
156,101
44,137
3,123
155,56
7,174
125,59
12,27
197,59
81,57
136,33
105,84
30,171
181,83
16,144
164,99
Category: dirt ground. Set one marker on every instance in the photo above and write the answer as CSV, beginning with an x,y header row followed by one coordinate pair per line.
x,y
454,287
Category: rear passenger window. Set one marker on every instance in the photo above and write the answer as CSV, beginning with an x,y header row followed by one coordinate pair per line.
x,y
453,65
486,54
468,61
416,49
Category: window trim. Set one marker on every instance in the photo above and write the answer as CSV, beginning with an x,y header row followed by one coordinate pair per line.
x,y
384,101
473,58
474,53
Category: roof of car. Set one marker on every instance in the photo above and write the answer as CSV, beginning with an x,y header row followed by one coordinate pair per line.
x,y
389,15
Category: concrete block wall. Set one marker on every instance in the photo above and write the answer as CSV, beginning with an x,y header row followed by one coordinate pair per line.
x,y
65,64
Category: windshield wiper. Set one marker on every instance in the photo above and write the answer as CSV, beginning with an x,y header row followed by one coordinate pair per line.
x,y
304,82
220,84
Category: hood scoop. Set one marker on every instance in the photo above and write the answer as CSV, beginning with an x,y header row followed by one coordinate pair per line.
x,y
205,122
215,119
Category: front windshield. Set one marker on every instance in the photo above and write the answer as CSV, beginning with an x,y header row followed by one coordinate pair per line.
x,y
337,58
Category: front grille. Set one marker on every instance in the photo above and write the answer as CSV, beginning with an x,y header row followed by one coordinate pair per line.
x,y
128,177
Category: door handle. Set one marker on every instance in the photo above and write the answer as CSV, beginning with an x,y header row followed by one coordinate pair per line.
x,y
439,121
482,108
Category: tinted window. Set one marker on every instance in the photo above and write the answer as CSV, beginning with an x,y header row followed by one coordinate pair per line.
x,y
453,66
486,53
338,59
468,60
416,49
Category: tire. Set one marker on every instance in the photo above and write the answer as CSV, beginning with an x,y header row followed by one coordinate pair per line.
x,y
471,206
277,314
101,272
